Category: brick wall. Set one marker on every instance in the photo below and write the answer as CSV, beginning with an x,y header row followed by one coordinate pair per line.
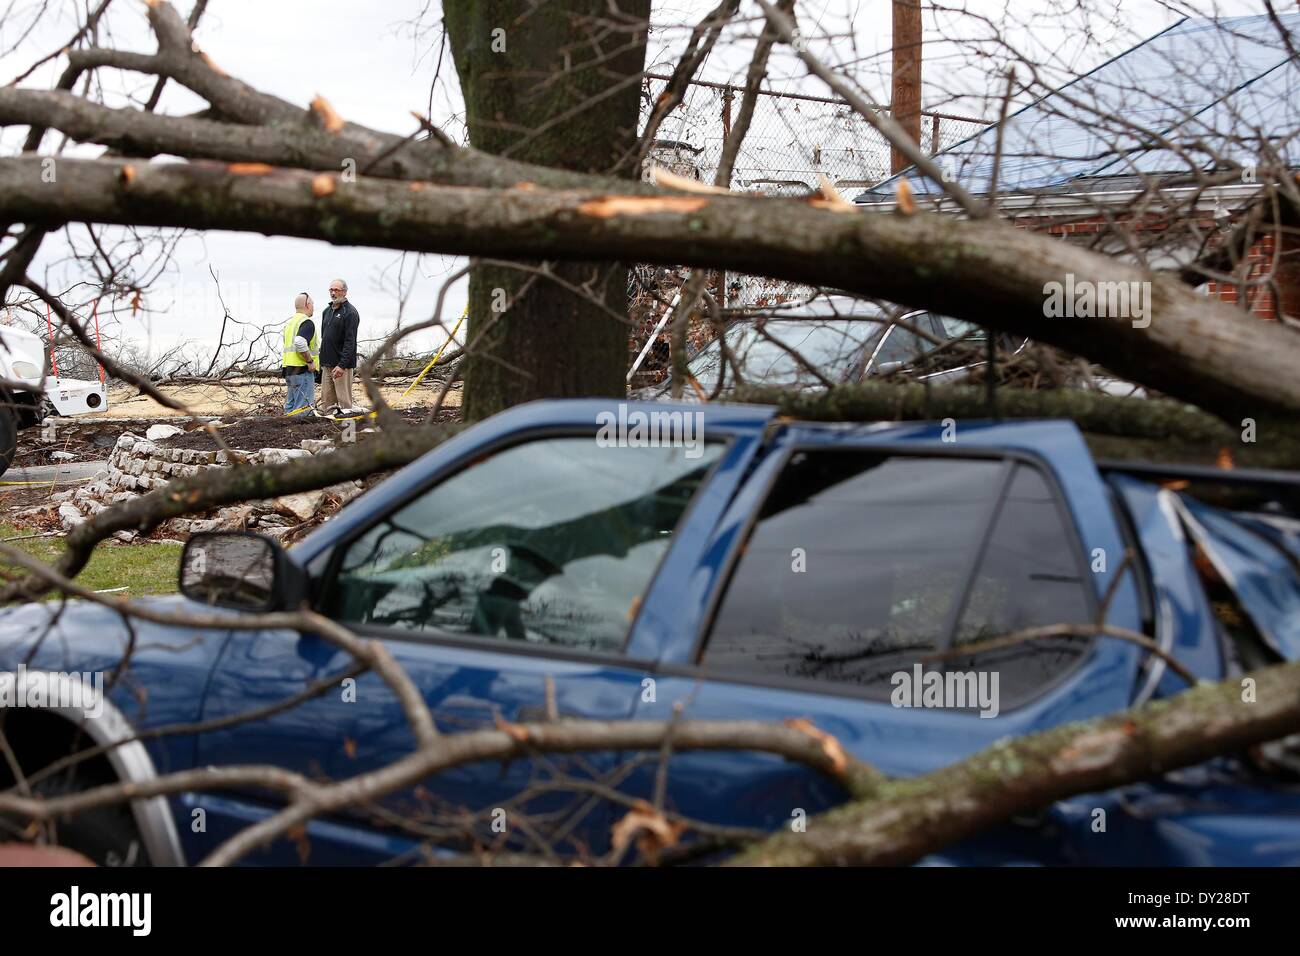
x,y
1260,298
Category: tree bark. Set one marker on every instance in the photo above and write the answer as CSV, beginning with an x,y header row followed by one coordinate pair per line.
x,y
534,93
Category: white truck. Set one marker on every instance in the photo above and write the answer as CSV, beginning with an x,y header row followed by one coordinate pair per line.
x,y
27,397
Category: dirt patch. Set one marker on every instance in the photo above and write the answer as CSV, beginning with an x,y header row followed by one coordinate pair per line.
x,y
16,497
257,397
416,414
287,431
250,434
35,448
84,438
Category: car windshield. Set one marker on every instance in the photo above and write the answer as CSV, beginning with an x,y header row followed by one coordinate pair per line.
x,y
833,346
956,328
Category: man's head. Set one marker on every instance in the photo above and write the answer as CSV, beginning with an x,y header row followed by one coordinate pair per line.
x,y
302,303
338,291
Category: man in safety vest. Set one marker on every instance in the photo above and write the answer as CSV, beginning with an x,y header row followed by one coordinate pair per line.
x,y
301,345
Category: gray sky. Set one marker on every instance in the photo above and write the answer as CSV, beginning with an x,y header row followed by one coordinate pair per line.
x,y
366,59
358,57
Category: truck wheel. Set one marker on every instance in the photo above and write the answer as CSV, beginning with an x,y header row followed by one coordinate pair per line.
x,y
107,836
8,438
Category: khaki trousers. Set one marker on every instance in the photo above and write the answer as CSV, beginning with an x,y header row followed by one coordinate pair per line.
x,y
334,392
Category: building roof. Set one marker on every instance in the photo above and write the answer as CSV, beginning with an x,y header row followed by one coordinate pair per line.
x,y
1221,82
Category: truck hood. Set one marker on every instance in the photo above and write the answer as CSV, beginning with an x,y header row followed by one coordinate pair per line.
x,y
1257,556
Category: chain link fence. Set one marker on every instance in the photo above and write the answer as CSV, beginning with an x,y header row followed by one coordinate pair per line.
x,y
792,141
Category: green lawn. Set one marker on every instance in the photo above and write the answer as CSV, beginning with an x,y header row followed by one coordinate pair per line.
x,y
146,568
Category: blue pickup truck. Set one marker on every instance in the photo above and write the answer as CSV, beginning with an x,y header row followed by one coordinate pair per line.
x,y
639,557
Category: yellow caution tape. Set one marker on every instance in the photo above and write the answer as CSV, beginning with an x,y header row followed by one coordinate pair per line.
x,y
437,355
43,481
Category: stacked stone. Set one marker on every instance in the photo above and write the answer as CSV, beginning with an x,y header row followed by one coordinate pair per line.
x,y
137,466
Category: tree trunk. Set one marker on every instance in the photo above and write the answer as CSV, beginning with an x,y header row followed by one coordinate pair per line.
x,y
522,75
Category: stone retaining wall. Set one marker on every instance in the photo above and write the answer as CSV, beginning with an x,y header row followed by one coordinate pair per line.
x,y
137,466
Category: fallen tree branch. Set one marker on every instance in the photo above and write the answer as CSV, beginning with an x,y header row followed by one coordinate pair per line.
x,y
373,654
904,820
1197,349
984,646
1096,414
249,109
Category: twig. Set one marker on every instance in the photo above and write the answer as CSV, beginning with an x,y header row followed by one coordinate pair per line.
x,y
883,124
1064,630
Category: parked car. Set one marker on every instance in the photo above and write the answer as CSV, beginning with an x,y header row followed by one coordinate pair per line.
x,y
774,569
844,338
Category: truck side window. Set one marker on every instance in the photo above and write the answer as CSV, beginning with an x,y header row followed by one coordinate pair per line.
x,y
857,560
852,566
1029,576
551,542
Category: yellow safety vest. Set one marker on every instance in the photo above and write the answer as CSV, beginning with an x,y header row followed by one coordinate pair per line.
x,y
290,355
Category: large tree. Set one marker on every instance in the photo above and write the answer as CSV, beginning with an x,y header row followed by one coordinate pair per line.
x,y
556,84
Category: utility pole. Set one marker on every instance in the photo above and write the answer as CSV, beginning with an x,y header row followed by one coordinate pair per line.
x,y
905,100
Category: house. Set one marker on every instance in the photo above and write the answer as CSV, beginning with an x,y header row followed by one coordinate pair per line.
x,y
1159,154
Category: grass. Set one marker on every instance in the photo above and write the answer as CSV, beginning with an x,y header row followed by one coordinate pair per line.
x,y
145,568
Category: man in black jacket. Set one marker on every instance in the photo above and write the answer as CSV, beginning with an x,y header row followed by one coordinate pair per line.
x,y
338,351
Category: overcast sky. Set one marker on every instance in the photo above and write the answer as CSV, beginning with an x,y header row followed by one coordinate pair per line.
x,y
371,63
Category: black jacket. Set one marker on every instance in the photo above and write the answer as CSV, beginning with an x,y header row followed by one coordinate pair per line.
x,y
338,336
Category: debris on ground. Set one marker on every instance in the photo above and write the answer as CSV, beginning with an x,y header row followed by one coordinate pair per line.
x,y
144,454
160,431
138,466
84,438
269,431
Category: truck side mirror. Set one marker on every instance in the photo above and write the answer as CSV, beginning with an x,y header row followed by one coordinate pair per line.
x,y
241,570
